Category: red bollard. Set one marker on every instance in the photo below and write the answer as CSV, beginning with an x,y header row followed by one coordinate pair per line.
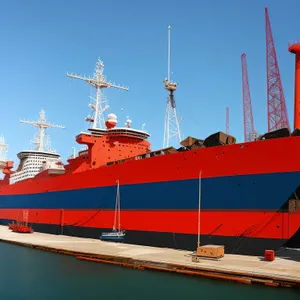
x,y
269,255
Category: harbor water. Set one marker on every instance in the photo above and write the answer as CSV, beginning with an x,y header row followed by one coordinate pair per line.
x,y
33,274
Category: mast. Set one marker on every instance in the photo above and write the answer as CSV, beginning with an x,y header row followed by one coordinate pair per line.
x,y
199,205
42,142
99,103
171,120
119,206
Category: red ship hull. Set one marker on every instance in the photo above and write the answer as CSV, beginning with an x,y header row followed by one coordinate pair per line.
x,y
240,232
245,201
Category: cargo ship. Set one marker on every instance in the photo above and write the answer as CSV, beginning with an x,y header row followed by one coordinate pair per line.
x,y
249,191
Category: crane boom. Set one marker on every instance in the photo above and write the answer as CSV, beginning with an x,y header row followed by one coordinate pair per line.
x,y
249,131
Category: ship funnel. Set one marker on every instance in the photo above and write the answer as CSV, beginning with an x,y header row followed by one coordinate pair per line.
x,y
295,48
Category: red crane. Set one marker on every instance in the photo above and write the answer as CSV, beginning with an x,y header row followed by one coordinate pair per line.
x,y
227,120
249,131
277,113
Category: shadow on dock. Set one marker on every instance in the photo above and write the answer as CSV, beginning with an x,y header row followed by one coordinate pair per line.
x,y
289,253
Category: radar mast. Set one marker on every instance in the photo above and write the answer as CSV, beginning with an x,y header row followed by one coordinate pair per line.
x,y
42,141
99,103
171,120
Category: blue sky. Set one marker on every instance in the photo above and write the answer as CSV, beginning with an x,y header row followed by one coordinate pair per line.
x,y
41,41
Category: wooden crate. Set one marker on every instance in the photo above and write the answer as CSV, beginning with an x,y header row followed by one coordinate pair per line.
x,y
213,251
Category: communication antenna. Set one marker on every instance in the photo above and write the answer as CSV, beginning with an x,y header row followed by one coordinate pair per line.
x,y
42,141
99,103
171,120
128,122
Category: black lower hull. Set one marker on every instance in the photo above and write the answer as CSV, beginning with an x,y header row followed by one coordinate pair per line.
x,y
233,245
294,241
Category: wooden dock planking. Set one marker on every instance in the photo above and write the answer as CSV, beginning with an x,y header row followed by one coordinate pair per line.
x,y
283,271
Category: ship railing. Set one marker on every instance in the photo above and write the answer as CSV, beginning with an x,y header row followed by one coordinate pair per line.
x,y
160,152
129,133
118,161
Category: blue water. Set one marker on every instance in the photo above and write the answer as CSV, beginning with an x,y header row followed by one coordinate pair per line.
x,y
28,274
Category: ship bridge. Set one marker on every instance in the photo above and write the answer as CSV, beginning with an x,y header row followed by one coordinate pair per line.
x,y
110,144
29,153
112,131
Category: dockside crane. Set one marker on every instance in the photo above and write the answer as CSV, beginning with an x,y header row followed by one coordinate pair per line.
x,y
277,112
249,130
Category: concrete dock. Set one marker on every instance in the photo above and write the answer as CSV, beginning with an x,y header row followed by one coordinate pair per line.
x,y
283,271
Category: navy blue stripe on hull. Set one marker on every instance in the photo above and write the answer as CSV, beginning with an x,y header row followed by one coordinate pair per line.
x,y
233,245
247,192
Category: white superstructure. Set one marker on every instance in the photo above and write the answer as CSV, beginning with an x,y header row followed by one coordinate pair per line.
x,y
42,157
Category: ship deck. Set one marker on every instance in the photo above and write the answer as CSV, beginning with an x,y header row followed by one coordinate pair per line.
x,y
283,271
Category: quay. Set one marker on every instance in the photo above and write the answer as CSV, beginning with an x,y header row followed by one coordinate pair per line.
x,y
284,271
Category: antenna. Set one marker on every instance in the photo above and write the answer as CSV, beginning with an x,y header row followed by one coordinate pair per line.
x,y
171,120
128,122
42,141
99,103
3,151
74,152
169,52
